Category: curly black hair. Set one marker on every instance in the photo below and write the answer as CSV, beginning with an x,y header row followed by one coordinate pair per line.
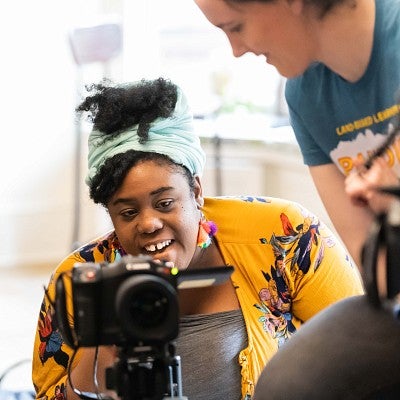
x,y
115,108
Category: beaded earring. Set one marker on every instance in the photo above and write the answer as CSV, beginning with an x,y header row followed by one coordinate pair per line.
x,y
207,230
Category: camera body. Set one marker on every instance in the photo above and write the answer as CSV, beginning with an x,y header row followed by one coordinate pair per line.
x,y
133,304
130,302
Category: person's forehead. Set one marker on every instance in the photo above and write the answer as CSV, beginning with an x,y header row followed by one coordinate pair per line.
x,y
218,10
223,13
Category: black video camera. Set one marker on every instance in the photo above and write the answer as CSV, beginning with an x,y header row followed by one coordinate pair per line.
x,y
132,301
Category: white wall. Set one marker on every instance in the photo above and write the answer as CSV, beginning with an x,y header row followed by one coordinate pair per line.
x,y
40,90
262,168
38,93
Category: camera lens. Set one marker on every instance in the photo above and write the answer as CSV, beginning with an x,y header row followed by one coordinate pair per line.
x,y
147,309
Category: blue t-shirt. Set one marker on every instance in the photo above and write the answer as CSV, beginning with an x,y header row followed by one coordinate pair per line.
x,y
338,121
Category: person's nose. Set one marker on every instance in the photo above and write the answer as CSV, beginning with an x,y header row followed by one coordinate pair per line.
x,y
238,47
148,222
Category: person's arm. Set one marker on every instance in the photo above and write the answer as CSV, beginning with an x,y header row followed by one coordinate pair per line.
x,y
52,357
351,221
82,374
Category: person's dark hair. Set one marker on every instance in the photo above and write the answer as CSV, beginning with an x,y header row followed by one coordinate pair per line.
x,y
324,6
115,108
112,173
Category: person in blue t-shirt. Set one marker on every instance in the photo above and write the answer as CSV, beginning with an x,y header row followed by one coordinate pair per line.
x,y
342,61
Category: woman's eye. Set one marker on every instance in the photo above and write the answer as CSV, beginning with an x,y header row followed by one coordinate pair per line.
x,y
236,29
165,204
128,213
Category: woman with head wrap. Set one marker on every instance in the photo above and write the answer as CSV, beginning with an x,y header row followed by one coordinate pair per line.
x,y
145,167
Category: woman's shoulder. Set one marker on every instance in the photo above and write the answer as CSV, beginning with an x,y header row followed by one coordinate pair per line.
x,y
246,201
238,202
247,207
105,248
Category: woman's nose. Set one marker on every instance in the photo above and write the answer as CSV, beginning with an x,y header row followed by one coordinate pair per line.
x,y
238,48
148,222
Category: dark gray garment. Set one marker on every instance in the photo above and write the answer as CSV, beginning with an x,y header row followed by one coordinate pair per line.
x,y
209,346
351,350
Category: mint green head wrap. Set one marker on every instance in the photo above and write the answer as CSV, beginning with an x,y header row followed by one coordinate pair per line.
x,y
173,136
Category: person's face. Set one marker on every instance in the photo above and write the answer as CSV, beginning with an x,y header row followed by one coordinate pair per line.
x,y
277,29
154,212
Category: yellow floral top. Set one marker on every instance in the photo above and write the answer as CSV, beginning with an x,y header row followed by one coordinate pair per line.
x,y
287,267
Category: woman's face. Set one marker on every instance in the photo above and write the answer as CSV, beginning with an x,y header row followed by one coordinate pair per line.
x,y
154,212
278,29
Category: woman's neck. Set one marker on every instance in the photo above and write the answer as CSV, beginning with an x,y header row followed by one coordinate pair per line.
x,y
208,257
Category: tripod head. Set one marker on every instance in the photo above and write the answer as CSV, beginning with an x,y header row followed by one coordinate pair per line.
x,y
146,373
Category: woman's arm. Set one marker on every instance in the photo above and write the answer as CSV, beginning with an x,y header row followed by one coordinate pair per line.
x,y
82,374
52,357
351,221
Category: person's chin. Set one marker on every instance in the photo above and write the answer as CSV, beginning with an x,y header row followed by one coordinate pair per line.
x,y
294,75
289,72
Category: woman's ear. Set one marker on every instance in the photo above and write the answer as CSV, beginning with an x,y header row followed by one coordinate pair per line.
x,y
198,192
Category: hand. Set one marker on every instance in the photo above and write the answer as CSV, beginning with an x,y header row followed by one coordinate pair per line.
x,y
362,186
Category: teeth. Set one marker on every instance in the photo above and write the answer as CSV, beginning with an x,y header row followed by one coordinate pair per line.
x,y
158,246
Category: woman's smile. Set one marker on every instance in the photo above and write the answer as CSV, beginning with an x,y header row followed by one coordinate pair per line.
x,y
152,248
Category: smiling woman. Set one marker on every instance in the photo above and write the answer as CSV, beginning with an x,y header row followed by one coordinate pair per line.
x,y
258,26
332,52
145,168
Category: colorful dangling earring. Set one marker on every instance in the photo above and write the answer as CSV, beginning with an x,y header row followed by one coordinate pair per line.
x,y
207,230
